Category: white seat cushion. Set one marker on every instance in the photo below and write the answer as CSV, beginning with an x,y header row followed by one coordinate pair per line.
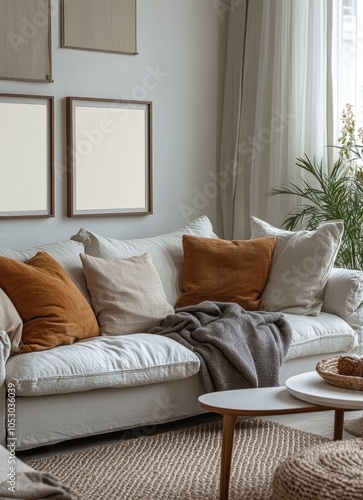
x,y
117,361
319,335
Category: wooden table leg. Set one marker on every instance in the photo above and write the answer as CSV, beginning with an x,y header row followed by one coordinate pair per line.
x,y
229,422
338,424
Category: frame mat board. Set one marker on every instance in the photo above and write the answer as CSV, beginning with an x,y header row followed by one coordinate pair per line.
x,y
182,464
100,25
25,40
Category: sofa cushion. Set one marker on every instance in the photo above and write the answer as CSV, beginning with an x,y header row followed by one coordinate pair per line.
x,y
65,252
319,335
301,265
118,361
166,251
53,310
343,296
10,322
225,271
126,294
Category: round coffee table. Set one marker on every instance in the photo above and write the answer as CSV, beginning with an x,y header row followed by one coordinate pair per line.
x,y
312,388
250,402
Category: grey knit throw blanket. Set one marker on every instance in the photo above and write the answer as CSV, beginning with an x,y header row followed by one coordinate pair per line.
x,y
237,349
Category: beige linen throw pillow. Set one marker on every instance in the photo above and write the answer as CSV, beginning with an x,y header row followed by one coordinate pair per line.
x,y
10,322
126,294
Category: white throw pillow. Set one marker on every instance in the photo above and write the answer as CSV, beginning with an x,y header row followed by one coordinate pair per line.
x,y
10,322
301,264
126,294
166,251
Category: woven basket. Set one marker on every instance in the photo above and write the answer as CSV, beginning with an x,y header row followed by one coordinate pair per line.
x,y
328,370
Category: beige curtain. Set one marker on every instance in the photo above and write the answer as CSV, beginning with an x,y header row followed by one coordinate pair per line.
x,y
281,101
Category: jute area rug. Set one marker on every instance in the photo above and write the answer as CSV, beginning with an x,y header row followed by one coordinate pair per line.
x,y
182,464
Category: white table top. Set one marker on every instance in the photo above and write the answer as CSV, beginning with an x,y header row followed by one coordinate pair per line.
x,y
260,401
312,388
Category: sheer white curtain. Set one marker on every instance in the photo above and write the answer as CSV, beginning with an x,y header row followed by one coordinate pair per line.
x,y
283,99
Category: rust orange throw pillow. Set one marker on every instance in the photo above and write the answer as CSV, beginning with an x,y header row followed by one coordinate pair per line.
x,y
53,310
226,271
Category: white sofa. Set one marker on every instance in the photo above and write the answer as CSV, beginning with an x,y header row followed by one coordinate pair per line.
x,y
112,383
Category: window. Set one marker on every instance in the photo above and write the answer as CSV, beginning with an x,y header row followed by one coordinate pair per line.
x,y
352,56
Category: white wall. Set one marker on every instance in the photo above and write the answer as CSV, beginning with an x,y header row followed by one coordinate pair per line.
x,y
186,40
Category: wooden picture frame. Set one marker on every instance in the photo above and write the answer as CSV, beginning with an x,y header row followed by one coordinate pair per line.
x,y
25,40
26,156
100,25
109,156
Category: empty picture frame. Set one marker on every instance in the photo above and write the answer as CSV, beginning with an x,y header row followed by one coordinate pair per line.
x,y
25,40
101,25
26,156
109,149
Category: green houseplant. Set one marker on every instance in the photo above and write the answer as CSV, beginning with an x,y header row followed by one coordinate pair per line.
x,y
337,195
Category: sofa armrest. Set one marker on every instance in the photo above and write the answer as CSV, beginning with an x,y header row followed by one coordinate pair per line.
x,y
343,296
5,347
